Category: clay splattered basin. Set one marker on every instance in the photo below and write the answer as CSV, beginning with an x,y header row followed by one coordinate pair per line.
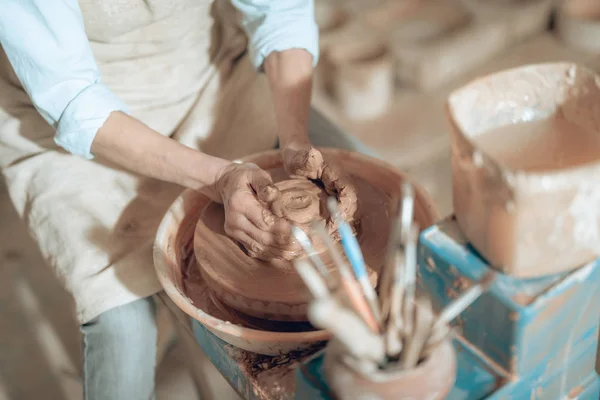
x,y
274,290
533,219
432,379
179,275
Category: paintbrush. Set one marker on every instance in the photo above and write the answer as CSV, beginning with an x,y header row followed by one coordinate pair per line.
x,y
410,278
354,255
455,308
408,209
399,230
358,341
394,323
306,244
423,321
386,277
462,302
348,283
313,281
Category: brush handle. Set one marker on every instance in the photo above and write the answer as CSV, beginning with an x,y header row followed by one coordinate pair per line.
x,y
308,248
352,249
312,279
462,302
438,334
327,313
359,303
371,297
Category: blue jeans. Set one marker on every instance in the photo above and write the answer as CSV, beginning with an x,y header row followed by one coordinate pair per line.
x,y
119,346
119,353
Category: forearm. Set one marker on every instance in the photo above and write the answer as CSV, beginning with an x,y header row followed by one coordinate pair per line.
x,y
132,145
290,78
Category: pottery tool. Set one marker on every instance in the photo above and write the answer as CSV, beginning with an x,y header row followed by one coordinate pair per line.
x,y
403,220
388,270
440,328
312,279
423,322
304,241
408,209
410,269
394,323
348,283
327,313
355,257
462,302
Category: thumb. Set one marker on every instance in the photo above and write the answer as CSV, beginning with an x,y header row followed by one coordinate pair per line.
x,y
262,184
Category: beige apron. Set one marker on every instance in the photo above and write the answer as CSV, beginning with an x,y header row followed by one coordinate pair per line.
x,y
181,67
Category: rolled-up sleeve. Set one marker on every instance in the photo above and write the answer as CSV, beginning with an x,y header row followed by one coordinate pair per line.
x,y
46,44
278,25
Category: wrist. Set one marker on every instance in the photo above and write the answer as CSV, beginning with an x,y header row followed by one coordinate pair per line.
x,y
294,140
206,175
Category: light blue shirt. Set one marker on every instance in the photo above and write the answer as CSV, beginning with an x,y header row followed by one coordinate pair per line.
x,y
46,44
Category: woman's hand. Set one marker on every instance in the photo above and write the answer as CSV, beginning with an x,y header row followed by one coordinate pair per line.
x,y
302,160
244,190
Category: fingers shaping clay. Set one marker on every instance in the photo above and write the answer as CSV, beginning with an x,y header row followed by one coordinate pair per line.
x,y
273,290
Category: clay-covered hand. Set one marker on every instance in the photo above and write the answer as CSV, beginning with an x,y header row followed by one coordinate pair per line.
x,y
244,189
303,160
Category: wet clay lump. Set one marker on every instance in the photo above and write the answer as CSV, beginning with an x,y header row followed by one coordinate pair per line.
x,y
540,146
300,201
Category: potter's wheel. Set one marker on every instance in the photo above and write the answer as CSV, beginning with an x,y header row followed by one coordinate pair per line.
x,y
179,275
273,290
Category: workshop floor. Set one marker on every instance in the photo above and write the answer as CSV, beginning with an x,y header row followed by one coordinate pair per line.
x,y
39,338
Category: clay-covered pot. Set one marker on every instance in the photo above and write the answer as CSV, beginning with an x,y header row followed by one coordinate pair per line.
x,y
333,22
273,290
527,223
432,379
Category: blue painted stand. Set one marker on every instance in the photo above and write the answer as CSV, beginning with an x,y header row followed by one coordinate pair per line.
x,y
522,340
541,333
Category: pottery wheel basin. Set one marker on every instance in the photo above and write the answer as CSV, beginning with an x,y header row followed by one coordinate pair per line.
x,y
273,290
181,277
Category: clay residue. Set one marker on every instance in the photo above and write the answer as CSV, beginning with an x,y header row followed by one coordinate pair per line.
x,y
272,377
542,145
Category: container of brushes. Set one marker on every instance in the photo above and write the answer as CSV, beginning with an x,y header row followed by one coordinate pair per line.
x,y
432,379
